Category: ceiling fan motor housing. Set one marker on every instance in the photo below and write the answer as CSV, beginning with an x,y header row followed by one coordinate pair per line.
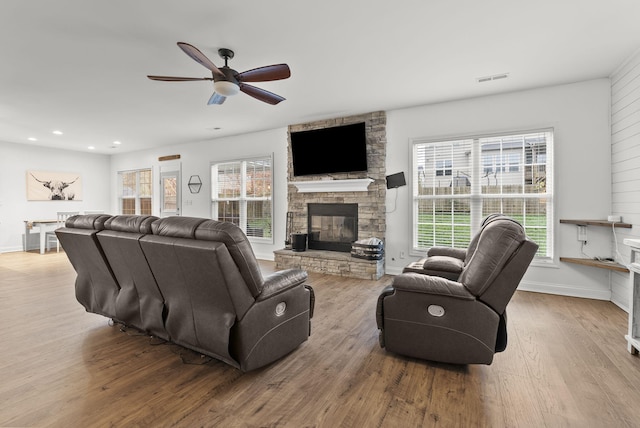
x,y
227,85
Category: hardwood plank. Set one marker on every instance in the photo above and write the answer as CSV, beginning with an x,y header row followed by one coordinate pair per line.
x,y
566,365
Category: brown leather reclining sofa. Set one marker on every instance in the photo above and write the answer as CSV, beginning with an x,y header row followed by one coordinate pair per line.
x,y
191,281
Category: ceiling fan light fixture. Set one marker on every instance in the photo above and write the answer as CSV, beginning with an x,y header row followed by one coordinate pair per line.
x,y
225,88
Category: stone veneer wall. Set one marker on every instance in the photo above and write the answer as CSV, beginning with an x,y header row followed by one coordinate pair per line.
x,y
371,204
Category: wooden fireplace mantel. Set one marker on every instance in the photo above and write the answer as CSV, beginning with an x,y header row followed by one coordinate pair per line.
x,y
351,185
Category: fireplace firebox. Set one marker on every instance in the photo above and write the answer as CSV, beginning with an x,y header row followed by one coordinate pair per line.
x,y
332,227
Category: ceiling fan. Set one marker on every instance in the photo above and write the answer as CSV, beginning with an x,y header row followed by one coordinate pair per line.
x,y
227,81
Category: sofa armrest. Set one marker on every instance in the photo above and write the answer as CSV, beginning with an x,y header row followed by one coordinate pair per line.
x,y
387,291
458,253
417,283
281,281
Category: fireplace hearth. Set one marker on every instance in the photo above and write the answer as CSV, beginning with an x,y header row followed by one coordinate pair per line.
x,y
332,227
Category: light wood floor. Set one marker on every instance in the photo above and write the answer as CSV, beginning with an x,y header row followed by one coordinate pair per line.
x,y
566,365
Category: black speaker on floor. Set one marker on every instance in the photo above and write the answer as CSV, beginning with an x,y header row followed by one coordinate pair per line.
x,y
299,241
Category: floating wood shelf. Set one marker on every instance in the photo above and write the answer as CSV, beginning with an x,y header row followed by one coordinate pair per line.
x,y
597,223
595,263
591,262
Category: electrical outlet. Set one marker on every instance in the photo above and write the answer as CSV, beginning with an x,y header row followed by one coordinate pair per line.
x,y
402,254
582,233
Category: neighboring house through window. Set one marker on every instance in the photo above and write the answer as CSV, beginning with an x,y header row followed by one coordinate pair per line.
x,y
457,182
135,190
241,194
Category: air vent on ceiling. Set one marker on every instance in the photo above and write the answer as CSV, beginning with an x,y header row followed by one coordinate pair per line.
x,y
494,77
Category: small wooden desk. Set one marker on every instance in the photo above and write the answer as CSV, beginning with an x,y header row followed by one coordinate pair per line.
x,y
42,226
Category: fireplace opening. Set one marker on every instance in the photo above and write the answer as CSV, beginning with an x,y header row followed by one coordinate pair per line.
x,y
332,227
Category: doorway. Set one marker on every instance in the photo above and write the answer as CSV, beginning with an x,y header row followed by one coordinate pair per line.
x,y
170,197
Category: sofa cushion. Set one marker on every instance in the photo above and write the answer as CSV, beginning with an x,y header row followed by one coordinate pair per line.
x,y
239,247
130,223
459,253
89,221
443,263
177,226
498,241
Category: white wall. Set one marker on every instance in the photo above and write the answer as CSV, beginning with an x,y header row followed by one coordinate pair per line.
x,y
17,159
196,158
579,115
625,166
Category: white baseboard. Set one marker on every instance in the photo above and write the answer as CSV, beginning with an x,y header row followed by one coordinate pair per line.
x,y
565,290
12,249
392,270
622,305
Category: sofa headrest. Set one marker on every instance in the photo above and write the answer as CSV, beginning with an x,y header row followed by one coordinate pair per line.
x,y
130,223
498,242
177,226
474,242
87,221
222,231
239,247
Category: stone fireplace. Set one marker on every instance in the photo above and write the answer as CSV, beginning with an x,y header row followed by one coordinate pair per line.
x,y
368,202
332,227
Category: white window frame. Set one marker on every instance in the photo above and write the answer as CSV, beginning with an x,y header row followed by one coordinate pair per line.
x,y
476,196
137,194
243,198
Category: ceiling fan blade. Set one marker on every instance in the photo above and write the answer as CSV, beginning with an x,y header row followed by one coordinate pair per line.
x,y
265,74
216,99
261,94
199,57
178,79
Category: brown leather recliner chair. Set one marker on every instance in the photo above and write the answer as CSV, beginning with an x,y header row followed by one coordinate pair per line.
x,y
460,321
448,262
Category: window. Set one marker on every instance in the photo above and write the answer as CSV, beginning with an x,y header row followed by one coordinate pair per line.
x,y
443,167
135,190
241,194
456,183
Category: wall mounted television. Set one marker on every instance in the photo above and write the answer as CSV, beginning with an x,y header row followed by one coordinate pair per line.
x,y
329,150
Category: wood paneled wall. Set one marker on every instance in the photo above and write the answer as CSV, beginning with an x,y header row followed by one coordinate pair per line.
x,y
625,166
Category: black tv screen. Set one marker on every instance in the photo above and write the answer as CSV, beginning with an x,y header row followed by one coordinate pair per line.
x,y
329,150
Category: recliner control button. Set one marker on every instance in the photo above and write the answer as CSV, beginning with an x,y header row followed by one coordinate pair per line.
x,y
435,310
280,308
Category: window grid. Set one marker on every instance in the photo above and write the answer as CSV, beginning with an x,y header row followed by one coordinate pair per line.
x,y
135,192
242,195
448,209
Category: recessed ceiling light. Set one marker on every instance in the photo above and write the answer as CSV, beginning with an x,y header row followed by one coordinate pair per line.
x,y
91,148
32,139
117,143
57,132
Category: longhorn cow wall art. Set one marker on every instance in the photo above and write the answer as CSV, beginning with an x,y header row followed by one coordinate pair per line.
x,y
53,186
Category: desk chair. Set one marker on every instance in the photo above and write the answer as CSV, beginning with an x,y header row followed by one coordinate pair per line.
x,y
62,217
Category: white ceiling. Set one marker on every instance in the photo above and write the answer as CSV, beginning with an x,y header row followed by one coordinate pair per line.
x,y
80,66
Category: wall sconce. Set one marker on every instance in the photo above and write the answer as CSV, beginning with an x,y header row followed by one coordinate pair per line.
x,y
194,184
